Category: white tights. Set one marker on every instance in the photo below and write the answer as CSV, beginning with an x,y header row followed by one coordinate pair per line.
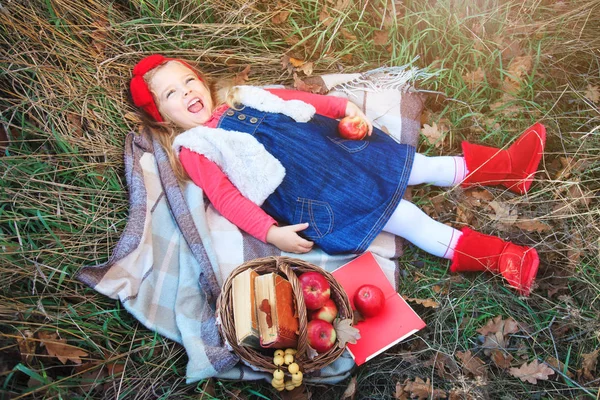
x,y
409,222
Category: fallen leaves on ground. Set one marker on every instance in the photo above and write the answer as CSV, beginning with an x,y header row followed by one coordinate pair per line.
x,y
472,364
345,332
532,372
496,331
533,225
27,344
60,349
501,358
588,365
504,213
434,134
445,366
418,389
241,77
429,303
350,391
474,78
592,93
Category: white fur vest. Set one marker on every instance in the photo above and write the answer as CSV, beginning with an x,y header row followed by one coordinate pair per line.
x,y
249,166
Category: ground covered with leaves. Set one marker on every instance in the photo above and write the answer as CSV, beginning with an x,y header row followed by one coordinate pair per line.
x,y
503,65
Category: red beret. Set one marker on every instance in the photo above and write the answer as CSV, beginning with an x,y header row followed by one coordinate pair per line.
x,y
140,93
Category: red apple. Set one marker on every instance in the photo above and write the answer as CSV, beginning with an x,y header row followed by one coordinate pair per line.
x,y
353,128
321,335
327,313
315,289
369,300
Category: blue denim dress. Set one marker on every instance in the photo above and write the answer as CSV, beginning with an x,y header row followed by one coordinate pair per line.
x,y
346,190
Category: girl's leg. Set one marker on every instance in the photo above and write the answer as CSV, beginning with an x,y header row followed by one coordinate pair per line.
x,y
438,171
468,250
409,222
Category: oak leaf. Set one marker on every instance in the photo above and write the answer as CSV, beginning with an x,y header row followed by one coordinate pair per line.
x,y
350,391
433,134
306,87
380,38
27,345
533,225
472,364
504,213
592,93
501,358
474,78
60,349
422,390
495,332
345,332
588,364
429,303
532,372
281,16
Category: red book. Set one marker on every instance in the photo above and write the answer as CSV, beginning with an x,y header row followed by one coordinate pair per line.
x,y
396,321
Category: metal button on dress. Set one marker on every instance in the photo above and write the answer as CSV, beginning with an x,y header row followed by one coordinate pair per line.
x,y
241,117
253,120
230,112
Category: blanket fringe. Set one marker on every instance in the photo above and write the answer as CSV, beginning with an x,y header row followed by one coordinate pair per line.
x,y
386,78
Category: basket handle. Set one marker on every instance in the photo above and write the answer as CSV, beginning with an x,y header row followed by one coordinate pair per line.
x,y
300,306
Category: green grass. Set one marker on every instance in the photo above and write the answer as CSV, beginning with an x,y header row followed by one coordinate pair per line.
x,y
64,67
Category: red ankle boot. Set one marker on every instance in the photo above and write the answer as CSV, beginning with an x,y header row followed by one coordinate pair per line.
x,y
478,252
513,168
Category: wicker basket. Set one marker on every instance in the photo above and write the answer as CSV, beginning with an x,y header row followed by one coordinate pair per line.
x,y
262,359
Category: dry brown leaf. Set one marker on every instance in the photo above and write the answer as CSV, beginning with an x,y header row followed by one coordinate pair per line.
x,y
306,87
350,391
501,358
474,78
307,68
464,215
472,364
570,165
60,349
74,122
558,365
345,332
281,16
241,77
520,67
433,134
445,366
480,194
592,93
497,324
380,38
588,364
429,303
495,332
504,213
27,345
533,225
324,17
99,35
576,248
421,390
532,372
347,34
400,394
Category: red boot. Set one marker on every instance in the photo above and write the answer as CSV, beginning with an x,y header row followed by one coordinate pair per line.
x,y
478,252
513,168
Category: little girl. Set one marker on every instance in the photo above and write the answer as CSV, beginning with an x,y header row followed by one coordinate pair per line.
x,y
272,162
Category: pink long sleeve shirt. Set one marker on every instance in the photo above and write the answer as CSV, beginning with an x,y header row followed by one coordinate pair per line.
x,y
224,196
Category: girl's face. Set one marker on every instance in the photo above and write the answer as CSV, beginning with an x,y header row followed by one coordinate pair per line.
x,y
181,97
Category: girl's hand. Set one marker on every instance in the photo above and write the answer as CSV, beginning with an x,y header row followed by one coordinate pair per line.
x,y
352,110
286,238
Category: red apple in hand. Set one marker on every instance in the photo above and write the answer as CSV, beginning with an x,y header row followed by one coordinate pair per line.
x,y
321,335
353,128
315,289
369,300
326,313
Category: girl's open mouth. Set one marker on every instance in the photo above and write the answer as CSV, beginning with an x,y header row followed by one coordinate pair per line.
x,y
196,106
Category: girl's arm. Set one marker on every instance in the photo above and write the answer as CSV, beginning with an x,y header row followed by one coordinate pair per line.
x,y
240,211
329,106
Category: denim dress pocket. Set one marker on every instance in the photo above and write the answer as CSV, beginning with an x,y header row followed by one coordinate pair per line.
x,y
351,146
318,214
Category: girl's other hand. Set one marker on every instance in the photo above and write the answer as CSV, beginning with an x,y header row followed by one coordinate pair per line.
x,y
287,239
352,110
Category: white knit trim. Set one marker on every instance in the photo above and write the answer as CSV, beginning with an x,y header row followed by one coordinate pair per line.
x,y
265,101
250,167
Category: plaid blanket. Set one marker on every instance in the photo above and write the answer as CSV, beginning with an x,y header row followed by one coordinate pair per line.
x,y
176,249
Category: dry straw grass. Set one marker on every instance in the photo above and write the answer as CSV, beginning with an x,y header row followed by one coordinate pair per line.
x,y
64,105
